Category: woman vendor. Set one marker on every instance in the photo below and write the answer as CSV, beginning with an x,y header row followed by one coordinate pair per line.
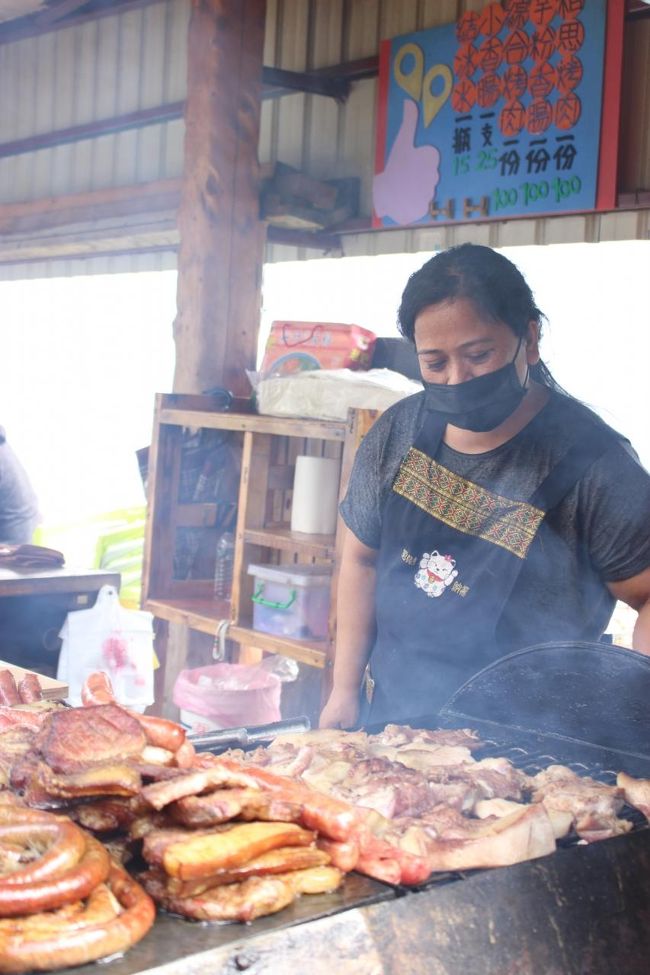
x,y
490,512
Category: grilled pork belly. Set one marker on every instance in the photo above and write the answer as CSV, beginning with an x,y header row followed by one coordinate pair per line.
x,y
593,805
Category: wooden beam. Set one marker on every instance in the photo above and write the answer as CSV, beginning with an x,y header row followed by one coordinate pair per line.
x,y
221,235
92,130
56,12
79,208
32,26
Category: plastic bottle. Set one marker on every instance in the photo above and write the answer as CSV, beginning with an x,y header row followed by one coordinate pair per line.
x,y
223,565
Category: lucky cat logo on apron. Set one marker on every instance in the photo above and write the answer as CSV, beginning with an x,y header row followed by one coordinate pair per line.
x,y
436,573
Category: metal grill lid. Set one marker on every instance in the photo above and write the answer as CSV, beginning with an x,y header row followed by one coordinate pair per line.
x,y
591,693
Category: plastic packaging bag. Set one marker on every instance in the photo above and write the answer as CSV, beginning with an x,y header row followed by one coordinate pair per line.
x,y
111,638
328,394
227,696
294,347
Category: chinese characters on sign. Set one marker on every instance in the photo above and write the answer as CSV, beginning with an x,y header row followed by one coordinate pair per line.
x,y
496,115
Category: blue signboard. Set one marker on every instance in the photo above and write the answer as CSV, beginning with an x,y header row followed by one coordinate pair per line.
x,y
496,115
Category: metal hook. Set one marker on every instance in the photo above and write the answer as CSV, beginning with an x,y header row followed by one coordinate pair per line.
x,y
219,645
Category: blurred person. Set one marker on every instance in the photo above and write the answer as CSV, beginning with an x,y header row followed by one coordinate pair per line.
x,y
19,513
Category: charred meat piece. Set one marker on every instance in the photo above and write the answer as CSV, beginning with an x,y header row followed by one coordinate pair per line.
x,y
9,693
253,898
107,815
96,780
225,804
30,689
76,737
245,901
14,744
192,783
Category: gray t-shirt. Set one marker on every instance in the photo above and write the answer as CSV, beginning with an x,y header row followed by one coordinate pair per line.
x,y
18,506
600,530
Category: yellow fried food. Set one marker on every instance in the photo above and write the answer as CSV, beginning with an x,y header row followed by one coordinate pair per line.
x,y
206,853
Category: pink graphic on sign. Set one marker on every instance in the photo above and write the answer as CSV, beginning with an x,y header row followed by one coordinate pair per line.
x,y
408,183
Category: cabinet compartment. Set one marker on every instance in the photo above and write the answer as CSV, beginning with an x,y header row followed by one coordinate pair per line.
x,y
183,525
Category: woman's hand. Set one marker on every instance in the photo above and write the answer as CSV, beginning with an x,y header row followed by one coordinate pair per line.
x,y
341,710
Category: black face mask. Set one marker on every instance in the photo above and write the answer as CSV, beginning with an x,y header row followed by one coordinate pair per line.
x,y
479,404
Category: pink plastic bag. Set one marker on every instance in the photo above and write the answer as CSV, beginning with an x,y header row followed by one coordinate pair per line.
x,y
227,696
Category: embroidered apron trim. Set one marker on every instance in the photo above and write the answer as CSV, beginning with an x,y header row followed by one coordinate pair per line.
x,y
465,506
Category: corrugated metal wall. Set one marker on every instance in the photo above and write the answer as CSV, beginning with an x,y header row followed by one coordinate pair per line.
x,y
137,60
95,71
100,69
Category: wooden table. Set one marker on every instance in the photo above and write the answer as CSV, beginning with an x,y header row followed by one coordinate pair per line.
x,y
33,607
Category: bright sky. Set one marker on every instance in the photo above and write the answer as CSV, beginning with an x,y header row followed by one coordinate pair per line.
x,y
81,357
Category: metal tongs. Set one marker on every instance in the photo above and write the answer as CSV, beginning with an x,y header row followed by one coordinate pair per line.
x,y
216,741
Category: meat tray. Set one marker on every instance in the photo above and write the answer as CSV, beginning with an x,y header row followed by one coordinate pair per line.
x,y
585,910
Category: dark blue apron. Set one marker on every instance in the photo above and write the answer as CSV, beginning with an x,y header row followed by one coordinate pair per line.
x,y
450,554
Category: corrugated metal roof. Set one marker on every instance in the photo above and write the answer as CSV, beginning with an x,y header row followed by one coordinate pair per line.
x,y
97,70
136,60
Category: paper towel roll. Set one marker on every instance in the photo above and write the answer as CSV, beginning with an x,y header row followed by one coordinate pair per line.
x,y
315,495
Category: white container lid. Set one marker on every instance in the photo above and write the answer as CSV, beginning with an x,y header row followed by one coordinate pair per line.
x,y
292,575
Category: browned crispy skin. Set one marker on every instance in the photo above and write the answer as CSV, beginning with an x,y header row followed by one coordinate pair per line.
x,y
76,737
161,794
282,860
224,804
96,780
29,689
213,808
199,853
252,898
9,694
249,899
106,815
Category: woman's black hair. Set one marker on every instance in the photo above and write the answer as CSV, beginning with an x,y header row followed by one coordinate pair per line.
x,y
495,286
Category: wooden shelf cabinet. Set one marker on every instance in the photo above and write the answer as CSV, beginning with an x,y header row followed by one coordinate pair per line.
x,y
265,449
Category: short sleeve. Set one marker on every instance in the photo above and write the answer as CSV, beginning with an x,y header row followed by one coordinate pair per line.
x,y
18,505
616,514
362,506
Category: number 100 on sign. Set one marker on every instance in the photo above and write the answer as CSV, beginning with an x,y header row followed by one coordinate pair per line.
x,y
530,193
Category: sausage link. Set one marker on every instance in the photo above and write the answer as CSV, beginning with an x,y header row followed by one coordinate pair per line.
x,y
82,943
160,731
30,689
8,689
185,756
97,689
65,845
71,885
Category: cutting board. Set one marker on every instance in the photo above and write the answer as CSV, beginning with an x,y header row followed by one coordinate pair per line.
x,y
53,690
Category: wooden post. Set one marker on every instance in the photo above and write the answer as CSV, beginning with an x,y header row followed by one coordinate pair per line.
x,y
221,236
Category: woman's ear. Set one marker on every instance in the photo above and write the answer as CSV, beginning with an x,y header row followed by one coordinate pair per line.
x,y
532,342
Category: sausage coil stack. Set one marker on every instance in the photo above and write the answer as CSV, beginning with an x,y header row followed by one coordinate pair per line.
x,y
62,900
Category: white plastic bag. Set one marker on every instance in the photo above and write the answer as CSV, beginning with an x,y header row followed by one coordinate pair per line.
x,y
111,638
328,394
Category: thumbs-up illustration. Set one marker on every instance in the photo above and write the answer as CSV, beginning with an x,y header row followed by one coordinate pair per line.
x,y
408,183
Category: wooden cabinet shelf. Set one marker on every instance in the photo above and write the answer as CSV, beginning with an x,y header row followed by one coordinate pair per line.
x,y
284,540
199,614
304,651
184,523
